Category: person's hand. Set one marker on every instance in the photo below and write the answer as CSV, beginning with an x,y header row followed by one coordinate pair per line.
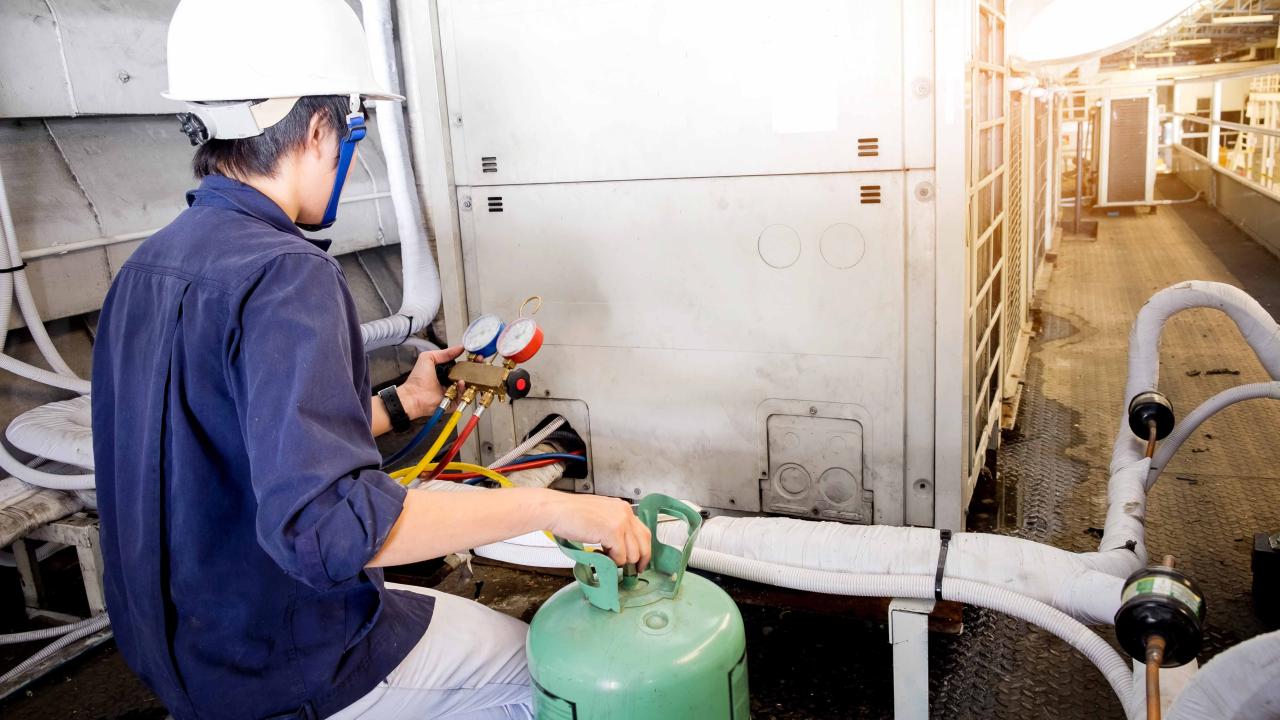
x,y
421,392
603,520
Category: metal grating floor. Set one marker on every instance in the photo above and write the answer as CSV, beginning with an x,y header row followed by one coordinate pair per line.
x,y
1223,487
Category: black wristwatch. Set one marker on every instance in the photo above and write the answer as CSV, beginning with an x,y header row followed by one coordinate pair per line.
x,y
395,409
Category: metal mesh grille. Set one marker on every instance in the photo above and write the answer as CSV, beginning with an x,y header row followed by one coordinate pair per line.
x,y
1015,261
1040,181
1127,151
988,129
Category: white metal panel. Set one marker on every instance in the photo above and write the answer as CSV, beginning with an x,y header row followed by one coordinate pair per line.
x,y
116,53
68,57
675,308
32,80
566,91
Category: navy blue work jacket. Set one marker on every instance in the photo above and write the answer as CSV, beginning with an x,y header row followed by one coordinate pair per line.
x,y
237,475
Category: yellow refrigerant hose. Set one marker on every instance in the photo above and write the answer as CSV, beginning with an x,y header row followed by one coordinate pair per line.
x,y
407,475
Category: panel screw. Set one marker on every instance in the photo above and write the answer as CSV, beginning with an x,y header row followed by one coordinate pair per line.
x,y
488,447
124,77
466,203
586,487
813,410
924,191
637,491
457,120
921,87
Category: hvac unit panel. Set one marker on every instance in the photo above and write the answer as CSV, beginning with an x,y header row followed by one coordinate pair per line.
x,y
686,313
543,91
1128,173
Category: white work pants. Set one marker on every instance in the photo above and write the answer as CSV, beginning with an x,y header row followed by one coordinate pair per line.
x,y
469,665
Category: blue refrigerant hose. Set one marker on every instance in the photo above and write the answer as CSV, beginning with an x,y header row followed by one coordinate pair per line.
x,y
415,441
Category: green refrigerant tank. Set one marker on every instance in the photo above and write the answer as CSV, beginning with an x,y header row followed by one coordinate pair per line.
x,y
660,645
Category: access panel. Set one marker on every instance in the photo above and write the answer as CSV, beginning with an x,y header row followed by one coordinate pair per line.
x,y
685,313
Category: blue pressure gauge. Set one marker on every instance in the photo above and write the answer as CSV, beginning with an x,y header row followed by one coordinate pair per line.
x,y
481,337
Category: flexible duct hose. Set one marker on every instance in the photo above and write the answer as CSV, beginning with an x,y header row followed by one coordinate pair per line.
x,y
53,632
90,627
1208,408
421,294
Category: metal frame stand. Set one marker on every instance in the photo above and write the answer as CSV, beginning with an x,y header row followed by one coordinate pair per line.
x,y
81,532
909,636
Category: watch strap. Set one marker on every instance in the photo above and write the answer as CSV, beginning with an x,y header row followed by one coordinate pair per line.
x,y
395,409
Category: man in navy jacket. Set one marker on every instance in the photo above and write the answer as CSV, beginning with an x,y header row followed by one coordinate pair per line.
x,y
244,516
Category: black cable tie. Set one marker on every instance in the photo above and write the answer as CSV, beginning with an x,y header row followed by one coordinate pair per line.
x,y
945,537
14,269
408,333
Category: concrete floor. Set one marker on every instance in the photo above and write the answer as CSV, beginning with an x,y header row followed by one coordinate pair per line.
x,y
1223,487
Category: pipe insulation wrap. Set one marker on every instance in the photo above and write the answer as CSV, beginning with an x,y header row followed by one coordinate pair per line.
x,y
1113,668
421,293
1189,424
1255,323
1238,684
1123,550
1045,573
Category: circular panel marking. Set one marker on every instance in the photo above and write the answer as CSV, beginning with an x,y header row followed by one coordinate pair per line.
x,y
842,246
779,246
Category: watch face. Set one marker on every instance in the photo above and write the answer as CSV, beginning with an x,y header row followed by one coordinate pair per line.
x,y
482,334
517,337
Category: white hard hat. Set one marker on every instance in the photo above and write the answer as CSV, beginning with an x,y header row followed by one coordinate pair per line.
x,y
230,50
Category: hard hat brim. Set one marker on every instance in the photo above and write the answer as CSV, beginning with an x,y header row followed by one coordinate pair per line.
x,y
367,95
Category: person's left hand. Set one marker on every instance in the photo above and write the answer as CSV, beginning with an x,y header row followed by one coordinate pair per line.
x,y
421,392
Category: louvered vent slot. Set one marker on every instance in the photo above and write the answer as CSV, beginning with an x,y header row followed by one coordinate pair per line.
x,y
870,194
489,164
868,147
495,204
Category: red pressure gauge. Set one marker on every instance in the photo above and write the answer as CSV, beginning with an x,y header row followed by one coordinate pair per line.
x,y
520,341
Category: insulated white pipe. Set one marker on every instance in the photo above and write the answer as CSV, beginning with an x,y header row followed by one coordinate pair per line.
x,y
1192,422
1239,684
421,293
1255,323
1123,547
1059,578
1115,669
21,288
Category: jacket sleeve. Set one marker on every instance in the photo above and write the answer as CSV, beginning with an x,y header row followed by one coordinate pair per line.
x,y
324,507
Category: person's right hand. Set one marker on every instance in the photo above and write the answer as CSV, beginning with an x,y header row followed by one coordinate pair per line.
x,y
606,521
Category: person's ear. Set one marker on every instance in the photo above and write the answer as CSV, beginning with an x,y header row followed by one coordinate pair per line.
x,y
318,133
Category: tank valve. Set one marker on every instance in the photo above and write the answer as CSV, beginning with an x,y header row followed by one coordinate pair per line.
x,y
1160,623
1147,409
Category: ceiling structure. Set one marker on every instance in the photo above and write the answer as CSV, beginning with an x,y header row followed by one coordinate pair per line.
x,y
1215,31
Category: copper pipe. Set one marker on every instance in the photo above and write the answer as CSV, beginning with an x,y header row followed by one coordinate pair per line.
x,y
1155,658
1151,438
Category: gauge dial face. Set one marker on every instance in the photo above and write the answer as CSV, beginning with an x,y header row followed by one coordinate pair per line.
x,y
520,340
482,335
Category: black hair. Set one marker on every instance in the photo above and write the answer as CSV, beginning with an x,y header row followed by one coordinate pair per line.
x,y
260,155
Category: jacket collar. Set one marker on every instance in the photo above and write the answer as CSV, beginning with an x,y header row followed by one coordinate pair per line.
x,y
231,194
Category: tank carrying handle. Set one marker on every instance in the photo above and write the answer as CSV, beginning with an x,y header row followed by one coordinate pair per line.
x,y
669,560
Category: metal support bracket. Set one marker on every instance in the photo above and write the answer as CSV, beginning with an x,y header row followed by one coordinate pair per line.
x,y
909,636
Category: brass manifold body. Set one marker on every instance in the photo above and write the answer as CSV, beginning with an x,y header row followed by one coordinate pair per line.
x,y
485,379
